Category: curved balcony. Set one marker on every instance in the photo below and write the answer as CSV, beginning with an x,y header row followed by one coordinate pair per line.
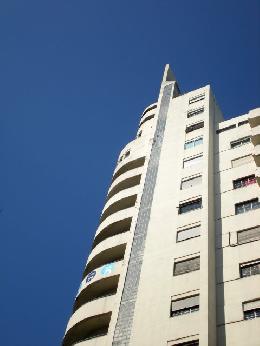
x,y
115,252
120,215
151,107
124,181
122,200
108,243
120,204
110,269
102,288
146,118
128,165
81,328
112,229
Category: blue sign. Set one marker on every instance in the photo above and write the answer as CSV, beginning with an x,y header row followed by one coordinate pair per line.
x,y
90,276
107,269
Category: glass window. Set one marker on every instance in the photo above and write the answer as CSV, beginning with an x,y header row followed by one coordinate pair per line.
x,y
197,98
226,128
248,235
188,233
243,122
193,143
190,206
194,112
188,343
242,182
194,127
240,142
190,182
187,266
185,306
249,269
251,309
127,153
192,161
246,206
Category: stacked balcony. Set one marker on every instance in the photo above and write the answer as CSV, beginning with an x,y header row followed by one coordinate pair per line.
x,y
94,302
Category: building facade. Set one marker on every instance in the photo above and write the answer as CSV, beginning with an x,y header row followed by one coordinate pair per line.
x,y
176,256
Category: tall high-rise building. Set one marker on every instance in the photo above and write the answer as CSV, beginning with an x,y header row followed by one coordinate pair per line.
x,y
176,256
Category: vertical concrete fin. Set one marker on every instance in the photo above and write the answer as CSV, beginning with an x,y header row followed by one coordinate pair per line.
x,y
123,328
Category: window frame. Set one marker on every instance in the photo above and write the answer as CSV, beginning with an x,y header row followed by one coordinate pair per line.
x,y
230,127
187,310
193,141
197,98
186,229
193,177
247,203
249,265
193,112
241,123
193,127
176,263
239,142
191,158
190,202
239,242
243,181
253,312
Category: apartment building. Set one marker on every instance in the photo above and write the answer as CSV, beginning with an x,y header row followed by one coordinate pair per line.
x,y
176,256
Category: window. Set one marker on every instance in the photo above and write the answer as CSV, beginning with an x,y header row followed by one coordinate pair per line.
x,y
240,161
188,233
186,266
226,128
191,205
242,182
194,127
193,143
246,206
248,235
240,141
194,112
243,122
192,161
127,153
251,309
249,268
188,343
184,306
197,98
191,182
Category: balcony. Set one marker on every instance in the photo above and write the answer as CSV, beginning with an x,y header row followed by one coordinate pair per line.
x,y
127,165
149,108
112,229
125,181
121,204
114,253
81,328
99,289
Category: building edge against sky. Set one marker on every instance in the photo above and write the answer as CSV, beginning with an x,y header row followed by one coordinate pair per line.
x,y
176,256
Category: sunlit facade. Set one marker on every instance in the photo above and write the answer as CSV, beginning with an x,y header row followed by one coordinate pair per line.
x,y
176,256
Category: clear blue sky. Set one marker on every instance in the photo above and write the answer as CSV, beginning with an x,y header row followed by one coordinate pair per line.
x,y
74,78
